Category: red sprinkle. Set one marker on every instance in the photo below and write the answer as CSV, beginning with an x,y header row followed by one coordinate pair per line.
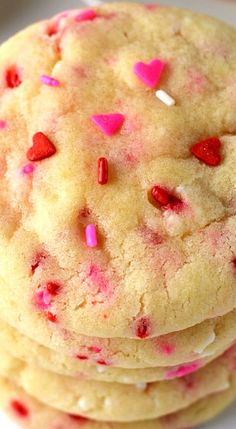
x,y
234,262
208,151
79,419
19,408
52,317
53,288
165,199
102,171
38,259
142,329
13,79
82,357
102,362
42,148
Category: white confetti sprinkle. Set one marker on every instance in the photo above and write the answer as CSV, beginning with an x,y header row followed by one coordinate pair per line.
x,y
101,369
108,402
165,98
92,2
84,404
141,386
209,340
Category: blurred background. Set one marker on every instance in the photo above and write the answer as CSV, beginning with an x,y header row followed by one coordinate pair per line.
x,y
16,14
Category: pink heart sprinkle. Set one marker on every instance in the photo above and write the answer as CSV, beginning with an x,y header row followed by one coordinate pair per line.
x,y
149,74
86,15
109,124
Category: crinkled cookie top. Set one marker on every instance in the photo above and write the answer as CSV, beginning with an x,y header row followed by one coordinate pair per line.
x,y
118,160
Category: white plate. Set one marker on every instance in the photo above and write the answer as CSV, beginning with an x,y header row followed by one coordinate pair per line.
x,y
23,12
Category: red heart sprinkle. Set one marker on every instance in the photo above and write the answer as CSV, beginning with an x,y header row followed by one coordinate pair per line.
x,y
165,199
208,151
13,79
51,317
42,148
53,288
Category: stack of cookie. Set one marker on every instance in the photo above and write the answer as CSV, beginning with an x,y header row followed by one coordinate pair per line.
x,y
118,243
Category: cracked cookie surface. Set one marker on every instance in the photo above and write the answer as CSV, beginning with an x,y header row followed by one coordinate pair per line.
x,y
137,252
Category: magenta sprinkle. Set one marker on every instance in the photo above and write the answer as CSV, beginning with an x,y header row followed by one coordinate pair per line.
x,y
48,80
91,235
3,124
28,169
86,15
183,370
43,299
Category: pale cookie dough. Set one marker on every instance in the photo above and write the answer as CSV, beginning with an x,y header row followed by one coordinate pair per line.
x,y
33,353
207,339
31,414
118,402
132,214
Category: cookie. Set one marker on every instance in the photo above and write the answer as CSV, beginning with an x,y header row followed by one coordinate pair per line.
x,y
201,341
32,414
33,353
117,197
118,402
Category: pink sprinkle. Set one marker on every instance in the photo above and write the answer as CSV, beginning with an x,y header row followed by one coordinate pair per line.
x,y
94,349
98,278
86,15
43,299
167,349
91,235
3,124
48,80
28,169
150,74
183,370
151,6
110,123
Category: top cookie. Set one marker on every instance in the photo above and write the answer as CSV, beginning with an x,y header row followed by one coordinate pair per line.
x,y
118,199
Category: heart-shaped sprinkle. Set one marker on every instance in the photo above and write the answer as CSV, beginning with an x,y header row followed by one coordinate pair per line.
x,y
110,123
165,199
42,148
53,288
149,74
208,151
51,317
86,15
13,79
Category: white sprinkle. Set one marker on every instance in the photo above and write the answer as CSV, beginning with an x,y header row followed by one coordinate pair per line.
x,y
141,386
92,2
108,402
126,380
101,369
84,404
165,98
209,340
224,386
